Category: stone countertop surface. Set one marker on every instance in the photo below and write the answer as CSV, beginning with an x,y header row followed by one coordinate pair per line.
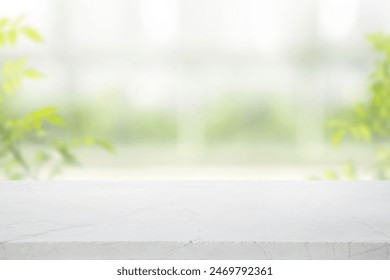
x,y
194,220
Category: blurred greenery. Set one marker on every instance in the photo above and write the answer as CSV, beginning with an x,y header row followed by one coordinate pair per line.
x,y
17,130
234,118
368,121
113,115
228,119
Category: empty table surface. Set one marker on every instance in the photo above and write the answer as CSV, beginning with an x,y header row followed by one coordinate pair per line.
x,y
194,220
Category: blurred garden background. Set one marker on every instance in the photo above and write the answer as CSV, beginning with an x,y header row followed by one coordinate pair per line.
x,y
202,89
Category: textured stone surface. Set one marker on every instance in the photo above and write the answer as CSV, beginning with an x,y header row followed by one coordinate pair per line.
x,y
194,220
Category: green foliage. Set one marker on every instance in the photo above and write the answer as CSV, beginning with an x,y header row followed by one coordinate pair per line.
x,y
16,131
369,122
229,120
126,124
12,30
248,119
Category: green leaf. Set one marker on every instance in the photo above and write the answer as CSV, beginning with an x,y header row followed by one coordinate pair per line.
x,y
338,137
365,132
20,63
16,82
44,113
32,74
41,157
360,111
106,145
57,120
32,34
66,154
3,39
89,141
13,36
4,22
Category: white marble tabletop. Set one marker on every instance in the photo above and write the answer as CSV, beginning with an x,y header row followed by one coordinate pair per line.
x,y
194,220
